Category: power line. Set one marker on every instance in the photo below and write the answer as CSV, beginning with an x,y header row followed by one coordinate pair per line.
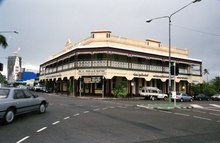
x,y
198,31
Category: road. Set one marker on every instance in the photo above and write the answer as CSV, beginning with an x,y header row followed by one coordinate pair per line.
x,y
75,120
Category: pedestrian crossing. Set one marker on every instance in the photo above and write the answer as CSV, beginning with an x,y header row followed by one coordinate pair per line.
x,y
206,106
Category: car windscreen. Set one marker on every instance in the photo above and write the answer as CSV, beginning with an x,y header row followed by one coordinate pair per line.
x,y
4,93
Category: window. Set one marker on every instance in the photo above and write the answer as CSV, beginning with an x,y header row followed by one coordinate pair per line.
x,y
19,94
4,93
28,94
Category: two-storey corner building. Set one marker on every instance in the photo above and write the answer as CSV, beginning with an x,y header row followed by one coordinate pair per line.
x,y
94,65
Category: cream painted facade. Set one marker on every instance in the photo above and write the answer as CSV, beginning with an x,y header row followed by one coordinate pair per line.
x,y
107,56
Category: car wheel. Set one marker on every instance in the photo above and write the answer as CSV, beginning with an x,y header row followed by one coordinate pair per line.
x,y
9,116
181,100
152,98
191,100
42,108
165,98
200,99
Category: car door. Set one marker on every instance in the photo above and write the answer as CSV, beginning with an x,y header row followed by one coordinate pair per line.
x,y
24,103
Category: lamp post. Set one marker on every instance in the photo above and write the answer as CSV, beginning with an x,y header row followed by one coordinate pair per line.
x,y
169,18
9,32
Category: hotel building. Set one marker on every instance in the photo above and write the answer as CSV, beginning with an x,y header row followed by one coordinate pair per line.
x,y
94,65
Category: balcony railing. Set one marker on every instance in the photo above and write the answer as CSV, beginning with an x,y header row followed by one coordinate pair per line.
x,y
116,64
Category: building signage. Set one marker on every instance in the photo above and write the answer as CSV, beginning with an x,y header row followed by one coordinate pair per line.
x,y
92,72
182,77
161,76
139,75
92,79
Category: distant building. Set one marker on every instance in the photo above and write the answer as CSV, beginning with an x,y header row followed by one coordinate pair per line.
x,y
14,68
94,66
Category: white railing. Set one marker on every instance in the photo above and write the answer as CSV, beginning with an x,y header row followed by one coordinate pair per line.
x,y
156,68
84,63
119,64
139,66
99,63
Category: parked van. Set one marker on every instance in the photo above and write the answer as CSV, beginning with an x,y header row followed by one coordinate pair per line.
x,y
153,93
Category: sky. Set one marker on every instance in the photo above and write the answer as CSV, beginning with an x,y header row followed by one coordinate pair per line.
x,y
44,26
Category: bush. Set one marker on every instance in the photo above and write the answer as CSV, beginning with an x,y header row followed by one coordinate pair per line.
x,y
120,89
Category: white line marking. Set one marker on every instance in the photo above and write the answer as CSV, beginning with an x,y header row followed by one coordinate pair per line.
x,y
86,112
96,109
56,122
214,114
66,118
165,111
218,121
76,114
182,114
104,108
202,118
112,107
23,139
199,111
196,106
215,105
41,129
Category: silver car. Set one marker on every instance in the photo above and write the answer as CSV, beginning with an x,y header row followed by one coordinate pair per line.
x,y
16,101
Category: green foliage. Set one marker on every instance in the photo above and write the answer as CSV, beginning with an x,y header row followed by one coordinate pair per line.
x,y
3,41
3,79
216,83
208,88
120,89
196,89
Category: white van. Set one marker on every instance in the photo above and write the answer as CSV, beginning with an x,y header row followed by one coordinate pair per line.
x,y
153,93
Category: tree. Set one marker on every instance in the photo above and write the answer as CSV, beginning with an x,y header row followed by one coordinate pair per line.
x,y
216,83
3,41
2,79
206,72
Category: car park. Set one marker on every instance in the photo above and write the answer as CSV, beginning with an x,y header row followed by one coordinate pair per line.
x,y
16,101
201,97
182,97
215,97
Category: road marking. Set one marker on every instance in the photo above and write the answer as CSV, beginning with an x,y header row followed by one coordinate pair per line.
x,y
23,139
86,112
76,115
199,111
215,105
182,114
41,129
165,111
104,108
56,122
202,118
112,107
218,121
66,118
214,114
96,109
196,106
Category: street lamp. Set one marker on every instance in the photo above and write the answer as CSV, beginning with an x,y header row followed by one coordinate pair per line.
x,y
169,18
9,32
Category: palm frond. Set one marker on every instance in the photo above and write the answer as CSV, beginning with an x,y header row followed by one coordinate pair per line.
x,y
3,41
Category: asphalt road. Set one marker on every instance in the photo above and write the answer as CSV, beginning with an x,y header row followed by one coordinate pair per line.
x,y
74,120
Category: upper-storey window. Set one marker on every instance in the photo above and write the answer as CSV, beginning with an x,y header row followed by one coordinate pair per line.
x,y
100,56
84,57
120,58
